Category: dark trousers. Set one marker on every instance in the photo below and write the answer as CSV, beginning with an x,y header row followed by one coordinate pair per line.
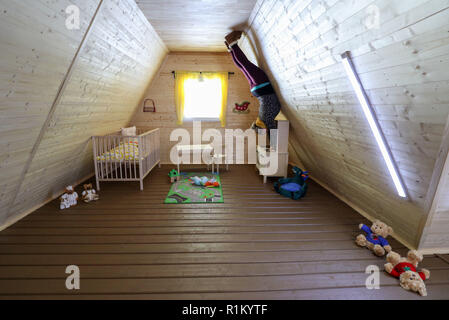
x,y
253,73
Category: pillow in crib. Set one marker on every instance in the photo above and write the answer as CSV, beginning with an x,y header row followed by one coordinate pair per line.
x,y
129,132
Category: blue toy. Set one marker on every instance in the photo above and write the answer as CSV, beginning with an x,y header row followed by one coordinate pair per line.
x,y
204,182
199,181
294,188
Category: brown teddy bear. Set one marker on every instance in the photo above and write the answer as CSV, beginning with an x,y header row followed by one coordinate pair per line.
x,y
405,270
89,194
375,238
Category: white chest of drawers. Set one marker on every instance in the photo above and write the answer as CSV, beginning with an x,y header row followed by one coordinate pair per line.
x,y
273,162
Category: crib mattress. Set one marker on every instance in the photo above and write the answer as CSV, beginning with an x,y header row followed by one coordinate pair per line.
x,y
124,151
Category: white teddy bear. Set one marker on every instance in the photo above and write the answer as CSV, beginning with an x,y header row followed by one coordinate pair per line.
x,y
69,199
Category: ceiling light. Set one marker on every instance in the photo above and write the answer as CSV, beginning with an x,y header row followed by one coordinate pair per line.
x,y
374,124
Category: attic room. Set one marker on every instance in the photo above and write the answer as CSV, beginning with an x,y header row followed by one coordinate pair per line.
x,y
224,150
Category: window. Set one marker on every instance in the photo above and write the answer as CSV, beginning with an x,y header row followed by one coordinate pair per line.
x,y
201,96
202,99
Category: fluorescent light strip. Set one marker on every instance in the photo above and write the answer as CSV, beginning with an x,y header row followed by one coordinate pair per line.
x,y
373,123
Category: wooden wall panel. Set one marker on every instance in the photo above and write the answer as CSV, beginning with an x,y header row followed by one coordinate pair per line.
x,y
36,51
162,91
404,64
120,57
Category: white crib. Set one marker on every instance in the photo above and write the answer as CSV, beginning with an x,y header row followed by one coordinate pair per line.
x,y
121,158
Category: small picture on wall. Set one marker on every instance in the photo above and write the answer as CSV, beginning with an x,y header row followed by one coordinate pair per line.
x,y
242,108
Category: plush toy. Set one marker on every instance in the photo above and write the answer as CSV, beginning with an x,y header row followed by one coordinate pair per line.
x,y
199,181
174,176
89,194
294,188
65,204
69,199
406,270
375,238
212,184
204,182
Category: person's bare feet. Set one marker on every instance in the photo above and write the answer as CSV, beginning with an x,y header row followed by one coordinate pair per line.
x,y
233,37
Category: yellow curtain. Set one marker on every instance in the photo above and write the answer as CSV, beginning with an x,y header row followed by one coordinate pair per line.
x,y
224,77
182,76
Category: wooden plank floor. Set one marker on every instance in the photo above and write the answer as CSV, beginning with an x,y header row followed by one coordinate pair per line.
x,y
257,245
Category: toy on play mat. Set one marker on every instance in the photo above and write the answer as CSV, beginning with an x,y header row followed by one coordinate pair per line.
x,y
174,176
294,188
204,182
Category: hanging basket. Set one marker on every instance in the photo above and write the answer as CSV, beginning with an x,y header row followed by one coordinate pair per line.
x,y
149,105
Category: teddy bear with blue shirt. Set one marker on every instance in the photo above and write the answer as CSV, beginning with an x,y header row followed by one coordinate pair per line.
x,y
375,238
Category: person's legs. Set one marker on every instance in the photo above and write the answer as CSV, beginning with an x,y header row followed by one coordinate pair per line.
x,y
250,80
269,104
256,74
269,110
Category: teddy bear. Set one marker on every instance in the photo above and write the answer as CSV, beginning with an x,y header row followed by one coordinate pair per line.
x,y
89,194
375,238
406,270
68,199
412,281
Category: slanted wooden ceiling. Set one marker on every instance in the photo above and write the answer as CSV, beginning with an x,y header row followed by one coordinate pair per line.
x,y
196,25
402,62
45,126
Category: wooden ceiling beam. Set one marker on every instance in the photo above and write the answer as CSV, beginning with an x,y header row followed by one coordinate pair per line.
x,y
436,205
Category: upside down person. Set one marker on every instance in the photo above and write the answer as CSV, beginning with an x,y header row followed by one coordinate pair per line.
x,y
261,87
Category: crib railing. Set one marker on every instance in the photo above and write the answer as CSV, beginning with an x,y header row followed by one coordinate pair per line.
x,y
151,152
119,158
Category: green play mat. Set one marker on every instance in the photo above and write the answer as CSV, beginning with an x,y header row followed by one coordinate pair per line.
x,y
184,192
